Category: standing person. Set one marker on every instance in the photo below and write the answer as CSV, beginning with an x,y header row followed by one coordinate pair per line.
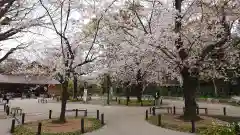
x,y
7,98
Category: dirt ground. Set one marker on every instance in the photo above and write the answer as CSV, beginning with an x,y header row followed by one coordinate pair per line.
x,y
70,126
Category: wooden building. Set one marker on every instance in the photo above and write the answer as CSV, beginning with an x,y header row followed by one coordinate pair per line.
x,y
19,84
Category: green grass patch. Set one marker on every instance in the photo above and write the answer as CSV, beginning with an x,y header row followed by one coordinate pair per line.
x,y
50,127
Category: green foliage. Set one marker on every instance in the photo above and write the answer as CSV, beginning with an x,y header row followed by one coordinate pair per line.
x,y
219,129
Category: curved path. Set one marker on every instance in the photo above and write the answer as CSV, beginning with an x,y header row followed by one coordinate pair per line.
x,y
119,120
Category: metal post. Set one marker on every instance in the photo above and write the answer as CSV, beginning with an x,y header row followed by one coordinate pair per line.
x,y
146,115
98,114
39,128
159,120
23,118
13,126
7,110
50,114
150,110
76,113
85,113
174,110
224,111
82,125
102,119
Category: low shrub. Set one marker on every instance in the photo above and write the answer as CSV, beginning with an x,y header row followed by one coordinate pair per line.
x,y
221,129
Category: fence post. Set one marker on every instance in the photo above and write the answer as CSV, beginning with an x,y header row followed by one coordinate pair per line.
x,y
85,113
150,110
102,119
23,118
174,110
39,128
146,115
224,111
206,111
82,125
50,114
154,111
159,120
98,114
76,113
12,126
193,126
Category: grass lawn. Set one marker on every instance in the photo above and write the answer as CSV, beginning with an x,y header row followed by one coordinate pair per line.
x,y
51,127
174,122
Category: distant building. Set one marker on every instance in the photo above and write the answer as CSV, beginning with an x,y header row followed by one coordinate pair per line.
x,y
27,83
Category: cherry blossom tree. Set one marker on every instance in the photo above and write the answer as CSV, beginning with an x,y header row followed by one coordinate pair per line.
x,y
65,29
17,19
185,36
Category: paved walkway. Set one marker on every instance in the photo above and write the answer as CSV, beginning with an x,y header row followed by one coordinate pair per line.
x,y
119,120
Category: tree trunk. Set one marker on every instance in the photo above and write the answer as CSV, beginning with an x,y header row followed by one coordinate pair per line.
x,y
108,95
64,101
139,92
75,87
215,88
189,91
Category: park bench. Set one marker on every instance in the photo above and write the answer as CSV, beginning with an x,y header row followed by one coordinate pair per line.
x,y
148,97
42,100
169,109
16,110
199,108
79,110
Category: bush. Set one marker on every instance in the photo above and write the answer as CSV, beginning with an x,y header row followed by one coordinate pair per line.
x,y
220,129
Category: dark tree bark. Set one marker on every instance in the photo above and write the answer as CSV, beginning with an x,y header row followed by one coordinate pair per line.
x,y
189,91
139,86
189,82
64,101
75,86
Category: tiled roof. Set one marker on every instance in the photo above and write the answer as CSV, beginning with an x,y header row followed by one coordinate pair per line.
x,y
26,79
